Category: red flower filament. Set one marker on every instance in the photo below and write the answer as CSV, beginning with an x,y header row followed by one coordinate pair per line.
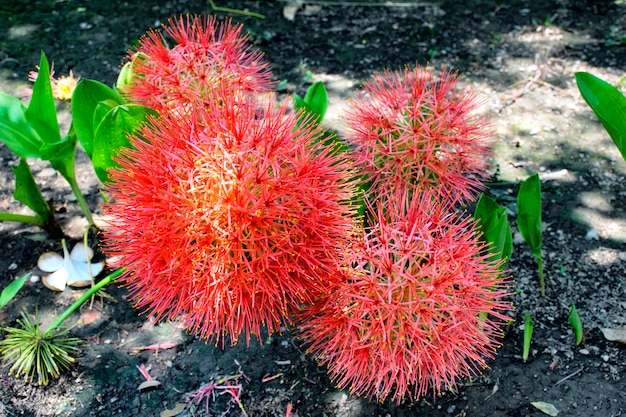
x,y
231,223
422,308
410,129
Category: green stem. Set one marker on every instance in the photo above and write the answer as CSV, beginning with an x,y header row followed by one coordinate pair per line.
x,y
541,281
104,282
81,200
22,218
235,11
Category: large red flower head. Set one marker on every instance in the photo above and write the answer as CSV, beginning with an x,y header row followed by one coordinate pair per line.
x,y
206,55
410,128
422,307
231,223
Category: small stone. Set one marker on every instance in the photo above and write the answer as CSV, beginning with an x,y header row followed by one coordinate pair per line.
x,y
605,357
451,409
34,278
12,267
583,352
592,235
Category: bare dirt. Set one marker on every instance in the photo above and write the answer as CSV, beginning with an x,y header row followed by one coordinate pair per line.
x,y
521,56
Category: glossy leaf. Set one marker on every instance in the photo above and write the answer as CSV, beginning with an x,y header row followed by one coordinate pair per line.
x,y
15,131
12,289
577,324
608,103
27,191
493,222
314,104
112,135
87,95
61,155
529,213
41,112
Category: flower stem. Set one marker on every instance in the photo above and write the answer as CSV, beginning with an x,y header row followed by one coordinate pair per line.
x,y
81,200
104,282
235,11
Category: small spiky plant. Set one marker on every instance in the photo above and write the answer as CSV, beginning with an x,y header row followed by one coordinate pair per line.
x,y
30,351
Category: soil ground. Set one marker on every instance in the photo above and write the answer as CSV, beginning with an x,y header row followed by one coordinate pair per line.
x,y
521,56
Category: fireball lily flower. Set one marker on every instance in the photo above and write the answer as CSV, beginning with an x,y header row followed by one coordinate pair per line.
x,y
422,307
410,129
231,223
73,269
207,55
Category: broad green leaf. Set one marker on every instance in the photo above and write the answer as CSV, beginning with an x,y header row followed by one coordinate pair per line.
x,y
577,324
608,103
61,155
41,112
529,213
27,191
112,135
15,131
87,95
11,290
493,222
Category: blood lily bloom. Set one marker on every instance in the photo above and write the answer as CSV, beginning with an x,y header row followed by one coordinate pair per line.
x,y
207,55
230,223
409,128
421,309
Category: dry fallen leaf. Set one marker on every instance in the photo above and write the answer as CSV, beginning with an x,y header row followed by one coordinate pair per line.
x,y
291,8
546,408
151,383
615,335
178,408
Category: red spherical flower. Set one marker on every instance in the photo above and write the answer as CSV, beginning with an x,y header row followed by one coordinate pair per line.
x,y
410,128
231,223
421,308
206,55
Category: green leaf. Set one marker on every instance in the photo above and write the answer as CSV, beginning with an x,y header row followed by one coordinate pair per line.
x,y
41,112
316,99
125,79
493,222
27,191
314,104
87,95
528,335
15,131
61,155
112,135
11,290
608,103
529,213
577,324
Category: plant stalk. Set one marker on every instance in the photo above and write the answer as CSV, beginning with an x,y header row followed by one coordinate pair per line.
x,y
542,283
81,200
104,282
22,218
